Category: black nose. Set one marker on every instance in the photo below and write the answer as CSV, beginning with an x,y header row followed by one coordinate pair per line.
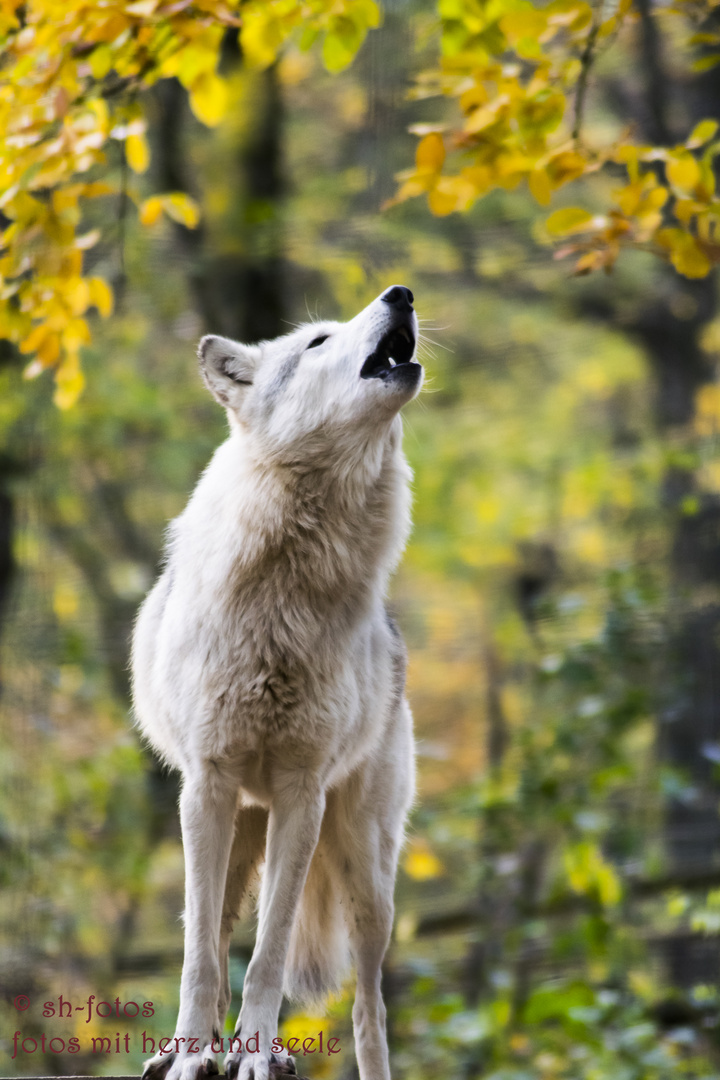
x,y
399,297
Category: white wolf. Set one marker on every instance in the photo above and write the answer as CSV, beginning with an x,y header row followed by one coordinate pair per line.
x,y
266,669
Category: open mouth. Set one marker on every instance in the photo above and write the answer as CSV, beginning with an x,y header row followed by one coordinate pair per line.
x,y
394,350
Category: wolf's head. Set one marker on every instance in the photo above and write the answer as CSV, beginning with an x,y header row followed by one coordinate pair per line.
x,y
323,386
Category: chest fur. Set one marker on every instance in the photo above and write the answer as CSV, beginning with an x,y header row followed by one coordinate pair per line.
x,y
276,607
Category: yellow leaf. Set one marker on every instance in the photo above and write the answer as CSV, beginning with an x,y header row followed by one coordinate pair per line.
x,y
668,238
101,60
151,209
683,171
49,351
442,200
655,199
706,188
70,383
34,339
628,156
473,98
482,118
260,38
608,884
77,295
593,260
566,166
648,210
368,12
588,874
337,52
182,208
137,152
707,403
208,98
479,177
76,333
298,1025
97,188
702,133
685,254
430,153
539,184
177,205
628,197
690,260
64,201
411,188
101,296
524,27
569,220
421,864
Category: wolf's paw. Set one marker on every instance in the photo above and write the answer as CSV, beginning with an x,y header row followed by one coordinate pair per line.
x,y
244,1066
282,1065
156,1068
181,1066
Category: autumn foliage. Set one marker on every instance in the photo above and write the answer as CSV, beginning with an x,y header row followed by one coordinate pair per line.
x,y
72,78
520,73
519,76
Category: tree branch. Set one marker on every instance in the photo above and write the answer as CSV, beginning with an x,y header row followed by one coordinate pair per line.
x,y
586,62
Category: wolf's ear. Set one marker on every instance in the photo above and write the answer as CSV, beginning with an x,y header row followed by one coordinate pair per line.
x,y
227,367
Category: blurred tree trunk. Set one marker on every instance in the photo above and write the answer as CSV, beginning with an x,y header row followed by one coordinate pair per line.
x,y
11,467
671,330
7,561
241,295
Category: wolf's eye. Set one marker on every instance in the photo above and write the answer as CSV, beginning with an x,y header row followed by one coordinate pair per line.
x,y
318,341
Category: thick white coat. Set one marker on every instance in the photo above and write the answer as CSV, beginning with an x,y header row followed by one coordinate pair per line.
x,y
266,669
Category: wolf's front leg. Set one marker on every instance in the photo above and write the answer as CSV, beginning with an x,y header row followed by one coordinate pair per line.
x,y
293,830
207,814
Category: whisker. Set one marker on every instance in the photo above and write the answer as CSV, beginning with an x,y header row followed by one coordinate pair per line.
x,y
426,350
439,344
313,317
425,343
407,426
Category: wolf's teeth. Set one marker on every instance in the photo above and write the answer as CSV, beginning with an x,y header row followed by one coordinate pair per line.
x,y
393,363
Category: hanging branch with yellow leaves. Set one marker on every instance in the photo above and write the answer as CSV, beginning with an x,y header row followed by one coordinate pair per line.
x,y
72,73
72,80
520,73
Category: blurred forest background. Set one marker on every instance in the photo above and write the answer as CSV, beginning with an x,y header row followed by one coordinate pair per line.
x,y
558,905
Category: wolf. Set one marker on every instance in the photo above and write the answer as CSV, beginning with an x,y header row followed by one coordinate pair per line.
x,y
268,671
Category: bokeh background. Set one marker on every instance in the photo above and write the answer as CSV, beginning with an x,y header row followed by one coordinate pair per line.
x,y
558,903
